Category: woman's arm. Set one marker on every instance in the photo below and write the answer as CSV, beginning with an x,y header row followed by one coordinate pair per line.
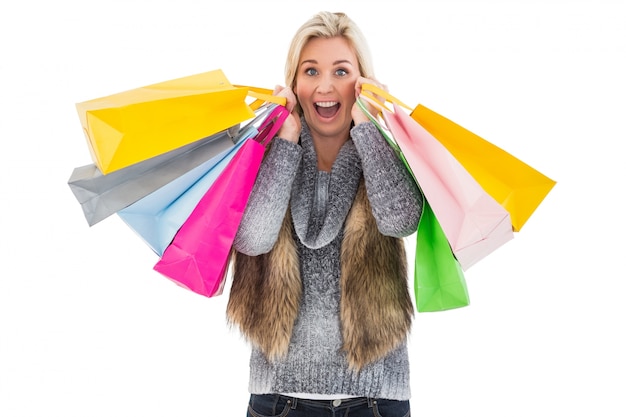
x,y
269,199
393,194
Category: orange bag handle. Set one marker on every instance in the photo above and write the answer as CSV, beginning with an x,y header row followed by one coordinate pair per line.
x,y
262,95
371,91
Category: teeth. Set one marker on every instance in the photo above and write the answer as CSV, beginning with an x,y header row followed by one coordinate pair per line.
x,y
326,103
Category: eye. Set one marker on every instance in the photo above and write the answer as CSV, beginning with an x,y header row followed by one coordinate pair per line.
x,y
341,72
310,71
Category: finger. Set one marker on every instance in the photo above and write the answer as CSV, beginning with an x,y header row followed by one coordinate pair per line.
x,y
291,98
286,92
362,80
295,112
357,86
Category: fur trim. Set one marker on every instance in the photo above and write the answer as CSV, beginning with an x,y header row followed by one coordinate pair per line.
x,y
265,303
376,308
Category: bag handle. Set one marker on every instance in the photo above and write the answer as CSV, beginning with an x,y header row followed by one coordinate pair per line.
x,y
369,93
382,129
262,95
271,125
368,90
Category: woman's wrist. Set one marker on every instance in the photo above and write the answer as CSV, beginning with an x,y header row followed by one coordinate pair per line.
x,y
360,117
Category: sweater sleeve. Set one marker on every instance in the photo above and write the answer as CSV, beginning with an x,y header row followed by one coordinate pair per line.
x,y
269,199
393,194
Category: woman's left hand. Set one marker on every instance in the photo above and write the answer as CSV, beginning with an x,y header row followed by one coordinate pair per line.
x,y
358,116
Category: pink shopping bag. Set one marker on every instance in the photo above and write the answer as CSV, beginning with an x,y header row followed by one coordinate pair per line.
x,y
474,223
198,256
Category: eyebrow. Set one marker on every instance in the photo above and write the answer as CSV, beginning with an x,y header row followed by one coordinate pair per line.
x,y
340,61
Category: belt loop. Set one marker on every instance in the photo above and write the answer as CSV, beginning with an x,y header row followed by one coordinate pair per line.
x,y
370,402
294,403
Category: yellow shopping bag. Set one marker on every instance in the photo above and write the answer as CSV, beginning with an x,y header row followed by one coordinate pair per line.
x,y
132,126
514,184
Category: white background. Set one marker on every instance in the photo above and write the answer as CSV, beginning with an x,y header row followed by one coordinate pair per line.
x,y
87,328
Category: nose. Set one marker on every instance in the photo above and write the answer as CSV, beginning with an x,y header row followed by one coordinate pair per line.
x,y
326,84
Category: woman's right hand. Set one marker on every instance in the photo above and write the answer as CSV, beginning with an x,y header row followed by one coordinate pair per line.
x,y
290,130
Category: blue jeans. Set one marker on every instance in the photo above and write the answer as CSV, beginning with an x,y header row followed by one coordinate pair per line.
x,y
275,405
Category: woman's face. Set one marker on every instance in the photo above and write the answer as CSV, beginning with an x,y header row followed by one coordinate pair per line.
x,y
327,72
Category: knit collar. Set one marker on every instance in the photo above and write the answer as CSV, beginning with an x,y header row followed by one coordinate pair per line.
x,y
345,175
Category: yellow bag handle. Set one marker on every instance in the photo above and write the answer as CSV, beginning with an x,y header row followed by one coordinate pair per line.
x,y
368,90
262,95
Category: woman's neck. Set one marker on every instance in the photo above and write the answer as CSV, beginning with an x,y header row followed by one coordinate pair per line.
x,y
327,149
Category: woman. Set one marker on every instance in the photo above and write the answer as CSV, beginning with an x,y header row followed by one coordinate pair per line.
x,y
320,277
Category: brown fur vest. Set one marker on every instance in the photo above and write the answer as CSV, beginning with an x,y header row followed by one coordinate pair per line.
x,y
376,308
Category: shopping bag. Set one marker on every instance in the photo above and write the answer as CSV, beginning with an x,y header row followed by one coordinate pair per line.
x,y
439,282
473,221
157,217
438,279
101,195
198,257
132,126
511,182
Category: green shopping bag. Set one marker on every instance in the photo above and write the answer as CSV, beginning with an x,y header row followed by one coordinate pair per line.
x,y
439,282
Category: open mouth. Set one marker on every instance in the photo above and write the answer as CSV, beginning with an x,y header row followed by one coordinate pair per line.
x,y
327,108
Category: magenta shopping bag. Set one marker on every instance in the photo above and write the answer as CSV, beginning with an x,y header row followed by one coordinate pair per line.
x,y
474,223
198,256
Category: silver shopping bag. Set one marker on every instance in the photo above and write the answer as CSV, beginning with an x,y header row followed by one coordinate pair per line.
x,y
102,195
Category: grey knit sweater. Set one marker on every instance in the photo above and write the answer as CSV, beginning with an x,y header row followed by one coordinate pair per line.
x,y
320,201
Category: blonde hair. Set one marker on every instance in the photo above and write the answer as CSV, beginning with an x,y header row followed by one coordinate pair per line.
x,y
328,25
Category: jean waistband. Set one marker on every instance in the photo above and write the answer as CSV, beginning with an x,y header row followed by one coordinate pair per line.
x,y
336,403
